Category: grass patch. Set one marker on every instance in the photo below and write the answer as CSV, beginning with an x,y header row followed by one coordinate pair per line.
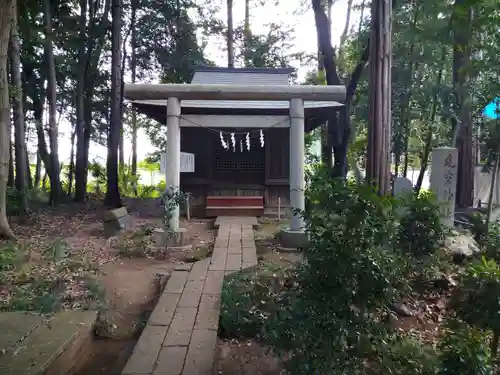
x,y
249,297
53,282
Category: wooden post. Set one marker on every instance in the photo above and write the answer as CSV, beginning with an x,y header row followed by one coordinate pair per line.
x,y
279,208
188,206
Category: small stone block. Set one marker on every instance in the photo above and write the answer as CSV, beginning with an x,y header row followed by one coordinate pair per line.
x,y
233,262
191,294
176,282
178,337
201,353
227,273
218,262
164,310
234,244
171,361
296,239
179,331
213,282
143,358
249,256
115,214
235,250
208,313
199,270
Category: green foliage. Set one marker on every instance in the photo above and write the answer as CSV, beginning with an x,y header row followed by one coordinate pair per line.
x,y
405,355
479,228
98,173
491,242
8,258
420,231
476,301
40,296
248,298
464,351
329,324
172,200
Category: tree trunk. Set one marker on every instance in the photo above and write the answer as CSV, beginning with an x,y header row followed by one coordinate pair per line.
x,y
133,69
28,170
379,105
10,179
18,109
55,183
71,171
247,35
80,171
93,49
461,26
6,8
327,60
230,35
404,116
492,187
38,171
113,194
121,146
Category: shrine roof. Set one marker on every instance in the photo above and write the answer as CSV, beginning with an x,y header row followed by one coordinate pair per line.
x,y
212,106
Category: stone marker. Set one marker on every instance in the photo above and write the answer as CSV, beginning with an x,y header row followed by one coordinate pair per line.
x,y
444,181
402,187
115,220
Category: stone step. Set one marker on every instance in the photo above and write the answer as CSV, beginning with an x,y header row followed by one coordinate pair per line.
x,y
36,345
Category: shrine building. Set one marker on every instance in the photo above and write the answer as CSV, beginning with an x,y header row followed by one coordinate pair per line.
x,y
241,148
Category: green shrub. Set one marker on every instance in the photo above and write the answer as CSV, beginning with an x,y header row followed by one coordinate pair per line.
x,y
248,298
464,351
490,243
476,301
406,356
478,228
420,231
330,323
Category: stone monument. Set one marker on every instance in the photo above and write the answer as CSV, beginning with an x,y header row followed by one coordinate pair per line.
x,y
402,187
444,181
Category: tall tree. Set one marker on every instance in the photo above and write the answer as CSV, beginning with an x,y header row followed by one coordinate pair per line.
x,y
55,183
379,105
247,35
133,72
230,35
115,124
19,123
6,8
462,122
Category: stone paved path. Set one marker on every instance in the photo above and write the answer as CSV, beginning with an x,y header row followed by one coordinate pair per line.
x,y
181,335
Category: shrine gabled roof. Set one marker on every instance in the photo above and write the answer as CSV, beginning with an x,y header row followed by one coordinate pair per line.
x,y
315,111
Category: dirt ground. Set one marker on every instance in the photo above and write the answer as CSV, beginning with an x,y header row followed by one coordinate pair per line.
x,y
246,358
130,284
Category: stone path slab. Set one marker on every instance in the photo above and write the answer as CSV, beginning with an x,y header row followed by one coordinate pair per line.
x,y
181,335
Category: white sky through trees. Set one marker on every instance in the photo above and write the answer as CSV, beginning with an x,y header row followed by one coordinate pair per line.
x,y
288,13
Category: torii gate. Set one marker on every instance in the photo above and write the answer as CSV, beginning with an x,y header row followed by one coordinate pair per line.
x,y
296,95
